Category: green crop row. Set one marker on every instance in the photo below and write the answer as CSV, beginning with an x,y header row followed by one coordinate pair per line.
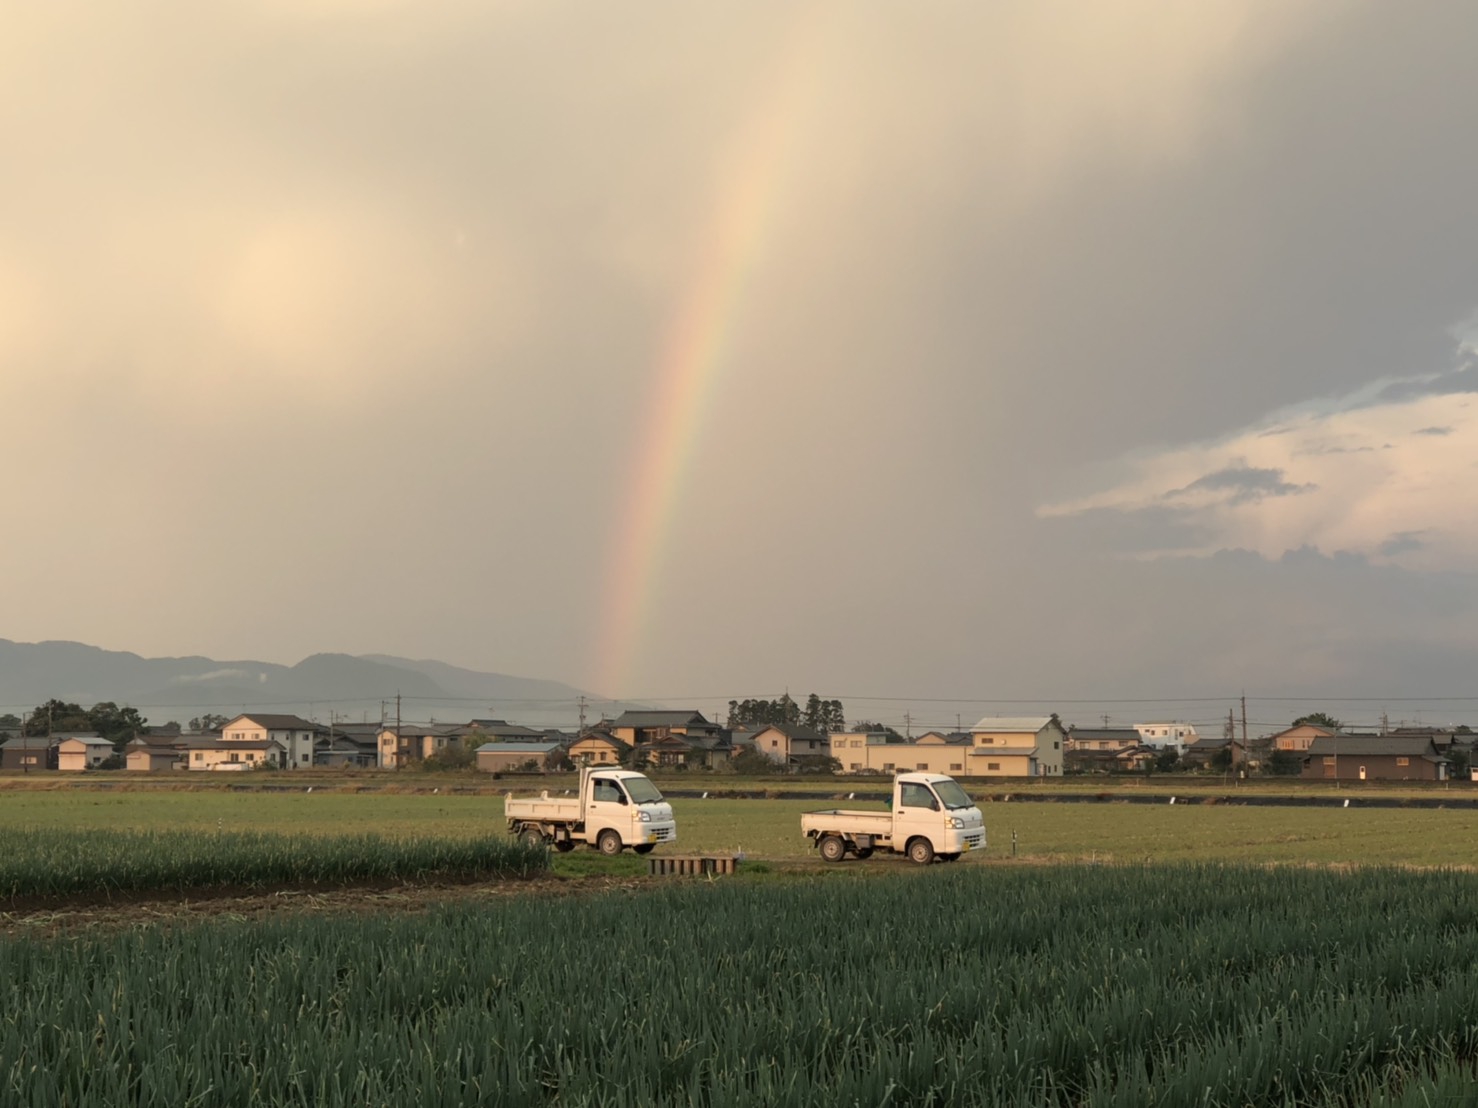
x,y
98,863
1079,987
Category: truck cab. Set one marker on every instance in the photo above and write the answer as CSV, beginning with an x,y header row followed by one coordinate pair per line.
x,y
929,817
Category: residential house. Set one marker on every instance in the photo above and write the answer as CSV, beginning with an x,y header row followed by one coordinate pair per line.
x,y
793,744
1017,746
294,735
672,738
638,729
235,755
28,752
1110,739
153,753
1174,735
415,742
500,757
1297,739
348,745
1201,753
1363,757
80,751
597,749
501,731
877,752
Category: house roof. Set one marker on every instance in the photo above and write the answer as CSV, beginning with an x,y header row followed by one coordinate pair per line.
x,y
792,731
1210,743
1372,746
28,742
276,722
517,748
421,730
497,729
1012,724
1130,734
87,740
685,718
601,736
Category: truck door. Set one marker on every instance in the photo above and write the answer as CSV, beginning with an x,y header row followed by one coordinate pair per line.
x,y
607,807
918,814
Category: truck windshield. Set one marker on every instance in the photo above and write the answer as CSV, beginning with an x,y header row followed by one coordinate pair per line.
x,y
641,790
952,795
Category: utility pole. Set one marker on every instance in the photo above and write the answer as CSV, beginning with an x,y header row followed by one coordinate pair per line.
x,y
907,725
1105,718
1229,729
1244,731
400,751
582,714
1385,723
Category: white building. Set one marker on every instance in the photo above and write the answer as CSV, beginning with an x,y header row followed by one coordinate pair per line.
x,y
294,735
1164,736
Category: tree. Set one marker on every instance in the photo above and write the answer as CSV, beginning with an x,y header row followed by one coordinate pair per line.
x,y
1167,761
117,725
208,722
1318,719
9,722
762,713
825,716
1283,763
57,715
1460,761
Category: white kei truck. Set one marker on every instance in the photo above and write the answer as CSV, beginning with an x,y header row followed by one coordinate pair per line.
x,y
931,818
613,809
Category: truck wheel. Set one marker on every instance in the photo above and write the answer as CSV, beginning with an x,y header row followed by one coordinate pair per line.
x,y
833,849
564,846
531,836
609,843
645,848
864,852
921,850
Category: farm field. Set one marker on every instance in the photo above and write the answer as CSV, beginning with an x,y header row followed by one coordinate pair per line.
x,y
769,829
974,986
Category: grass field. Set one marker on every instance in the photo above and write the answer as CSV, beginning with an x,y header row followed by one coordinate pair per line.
x,y
1071,986
771,828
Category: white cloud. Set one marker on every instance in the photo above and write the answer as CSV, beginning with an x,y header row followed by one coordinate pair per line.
x,y
1393,480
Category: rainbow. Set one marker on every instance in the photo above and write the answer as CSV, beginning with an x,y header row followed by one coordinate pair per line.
x,y
689,370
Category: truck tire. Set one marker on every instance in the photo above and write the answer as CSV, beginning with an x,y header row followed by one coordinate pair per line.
x,y
645,848
833,849
609,843
531,836
921,850
564,846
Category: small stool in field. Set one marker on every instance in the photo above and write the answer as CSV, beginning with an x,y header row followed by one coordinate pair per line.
x,y
693,865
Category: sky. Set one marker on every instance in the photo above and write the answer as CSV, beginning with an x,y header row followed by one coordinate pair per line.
x,y
1010,353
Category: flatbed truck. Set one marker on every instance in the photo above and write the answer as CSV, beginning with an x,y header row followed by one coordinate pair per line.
x,y
611,810
930,817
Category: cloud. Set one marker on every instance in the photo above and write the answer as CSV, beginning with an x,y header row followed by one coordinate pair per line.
x,y
1247,484
1389,479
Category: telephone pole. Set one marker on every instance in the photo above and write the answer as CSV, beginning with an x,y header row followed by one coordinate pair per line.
x,y
1244,730
400,751
907,725
582,714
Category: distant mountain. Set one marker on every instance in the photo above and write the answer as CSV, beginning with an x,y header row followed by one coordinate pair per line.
x,y
352,688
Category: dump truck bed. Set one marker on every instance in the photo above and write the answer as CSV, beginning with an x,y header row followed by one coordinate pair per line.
x,y
837,821
546,809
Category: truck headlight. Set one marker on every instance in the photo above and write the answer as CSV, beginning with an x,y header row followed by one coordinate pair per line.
x,y
956,823
646,817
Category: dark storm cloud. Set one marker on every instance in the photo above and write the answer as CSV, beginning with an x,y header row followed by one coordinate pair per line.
x,y
1403,542
1246,484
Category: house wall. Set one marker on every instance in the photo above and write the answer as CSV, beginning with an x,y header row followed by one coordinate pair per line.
x,y
148,761
1298,738
497,761
595,751
73,756
985,762
297,745
231,760
1046,749
1378,767
900,757
13,757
